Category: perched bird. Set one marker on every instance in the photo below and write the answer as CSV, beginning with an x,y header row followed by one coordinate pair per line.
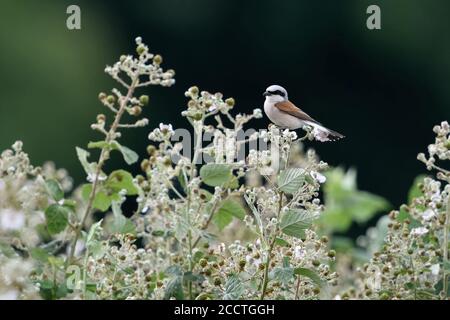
x,y
285,114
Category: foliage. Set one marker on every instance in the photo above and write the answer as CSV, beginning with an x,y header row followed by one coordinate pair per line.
x,y
210,226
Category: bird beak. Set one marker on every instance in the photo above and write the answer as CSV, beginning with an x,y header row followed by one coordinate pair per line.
x,y
265,94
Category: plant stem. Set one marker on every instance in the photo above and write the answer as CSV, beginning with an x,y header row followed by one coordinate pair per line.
x,y
103,157
269,253
445,249
207,222
197,150
297,288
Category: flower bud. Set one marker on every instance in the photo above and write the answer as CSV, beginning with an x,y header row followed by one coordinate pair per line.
x,y
194,90
111,99
136,110
101,118
143,100
151,150
157,59
101,96
140,49
203,262
145,165
230,102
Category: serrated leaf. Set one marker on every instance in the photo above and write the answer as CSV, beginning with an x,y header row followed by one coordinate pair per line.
x,y
291,180
215,175
54,189
295,221
222,219
309,274
233,288
232,207
284,275
57,218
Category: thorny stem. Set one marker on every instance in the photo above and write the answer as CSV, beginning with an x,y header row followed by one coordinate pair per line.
x,y
102,159
269,253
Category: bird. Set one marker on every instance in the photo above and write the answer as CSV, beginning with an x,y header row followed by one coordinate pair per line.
x,y
286,115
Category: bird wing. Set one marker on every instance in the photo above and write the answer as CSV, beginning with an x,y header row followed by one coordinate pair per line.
x,y
290,108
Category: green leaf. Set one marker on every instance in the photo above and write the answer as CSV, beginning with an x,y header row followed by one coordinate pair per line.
x,y
233,288
309,274
7,250
56,261
284,275
54,189
232,207
215,175
174,288
86,191
101,201
222,219
57,218
95,228
281,242
336,219
89,168
121,180
363,205
291,180
344,203
182,181
39,254
129,155
295,221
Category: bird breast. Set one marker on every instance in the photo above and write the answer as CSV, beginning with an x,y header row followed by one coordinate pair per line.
x,y
280,118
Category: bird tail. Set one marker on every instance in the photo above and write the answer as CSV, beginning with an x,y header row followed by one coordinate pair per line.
x,y
324,134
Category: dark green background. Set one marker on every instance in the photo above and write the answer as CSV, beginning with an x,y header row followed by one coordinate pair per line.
x,y
383,89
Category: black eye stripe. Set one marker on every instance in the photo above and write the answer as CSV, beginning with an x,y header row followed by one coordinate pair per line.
x,y
277,92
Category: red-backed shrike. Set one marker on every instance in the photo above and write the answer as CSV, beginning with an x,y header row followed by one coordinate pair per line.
x,y
285,114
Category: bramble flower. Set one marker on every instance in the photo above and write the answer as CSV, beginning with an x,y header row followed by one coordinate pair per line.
x,y
213,220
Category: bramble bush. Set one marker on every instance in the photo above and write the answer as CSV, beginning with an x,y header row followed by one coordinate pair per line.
x,y
220,223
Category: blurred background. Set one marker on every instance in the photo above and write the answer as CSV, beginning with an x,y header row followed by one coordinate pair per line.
x,y
384,89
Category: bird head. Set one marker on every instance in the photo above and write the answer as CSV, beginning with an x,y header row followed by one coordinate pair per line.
x,y
275,93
